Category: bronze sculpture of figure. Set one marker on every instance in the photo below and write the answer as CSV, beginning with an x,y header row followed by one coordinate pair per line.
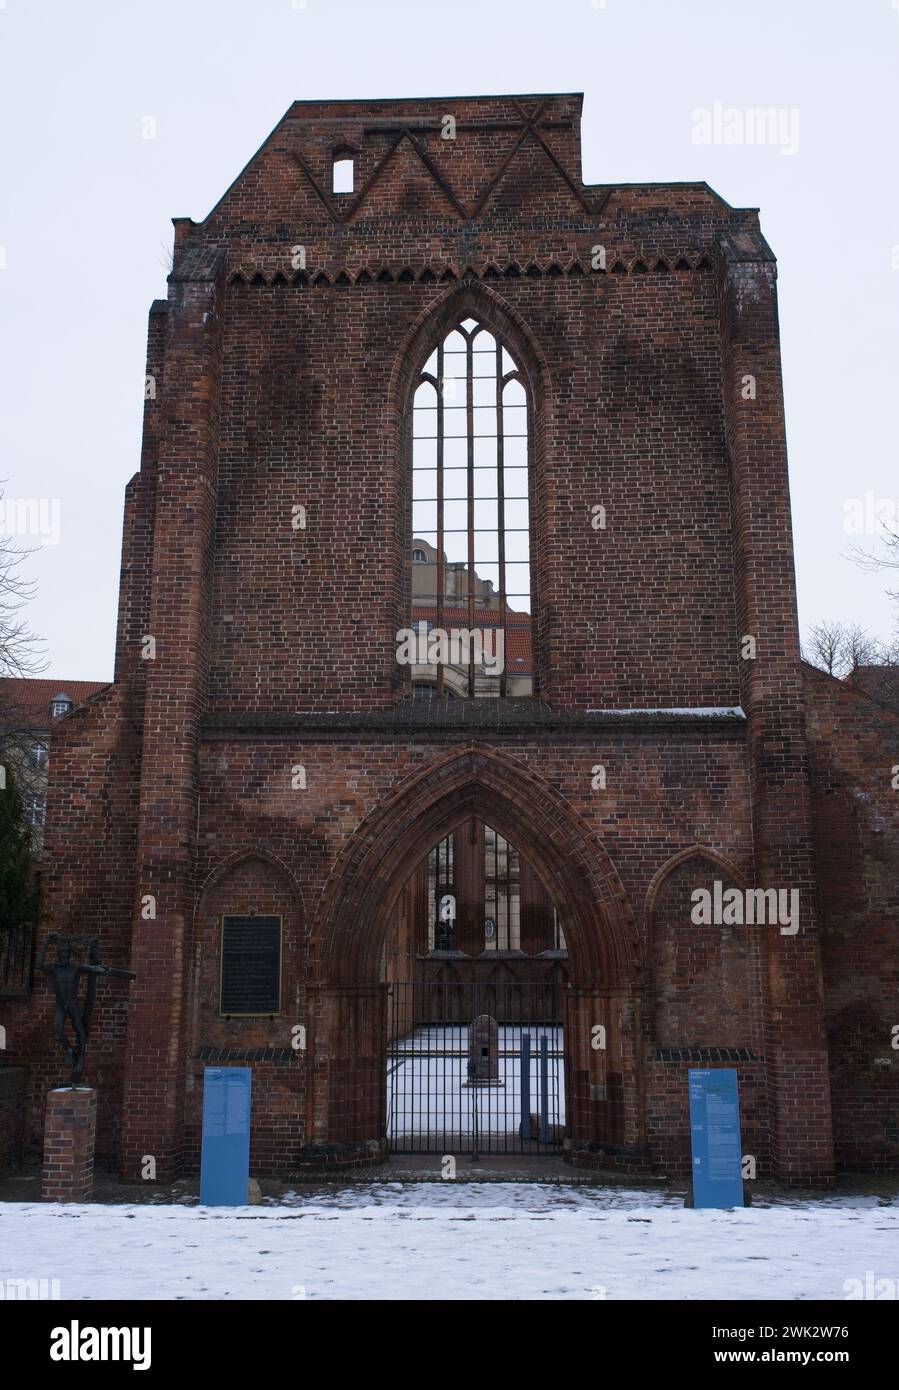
x,y
65,975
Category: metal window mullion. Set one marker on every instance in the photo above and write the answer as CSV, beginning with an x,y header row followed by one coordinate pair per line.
x,y
501,514
469,430
440,562
508,896
501,877
497,892
507,860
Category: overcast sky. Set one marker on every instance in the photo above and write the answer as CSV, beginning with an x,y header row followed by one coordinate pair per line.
x,y
86,203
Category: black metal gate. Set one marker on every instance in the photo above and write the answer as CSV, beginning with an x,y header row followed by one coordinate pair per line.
x,y
475,1068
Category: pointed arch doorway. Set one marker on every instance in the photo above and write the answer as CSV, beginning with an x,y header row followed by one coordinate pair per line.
x,y
476,969
347,1097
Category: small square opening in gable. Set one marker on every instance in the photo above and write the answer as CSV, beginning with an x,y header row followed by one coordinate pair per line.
x,y
342,176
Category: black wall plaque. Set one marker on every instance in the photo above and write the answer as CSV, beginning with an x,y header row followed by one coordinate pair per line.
x,y
251,965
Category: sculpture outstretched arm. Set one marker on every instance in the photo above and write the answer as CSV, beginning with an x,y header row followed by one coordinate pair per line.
x,y
107,970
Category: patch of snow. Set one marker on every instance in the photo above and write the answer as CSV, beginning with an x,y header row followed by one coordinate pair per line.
x,y
427,1070
709,711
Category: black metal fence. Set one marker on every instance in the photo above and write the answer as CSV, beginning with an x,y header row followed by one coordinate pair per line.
x,y
475,1068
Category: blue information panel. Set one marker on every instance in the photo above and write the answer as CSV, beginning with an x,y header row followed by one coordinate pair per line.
x,y
225,1160
715,1137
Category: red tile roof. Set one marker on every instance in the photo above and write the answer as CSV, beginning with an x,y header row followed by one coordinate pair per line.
x,y
32,698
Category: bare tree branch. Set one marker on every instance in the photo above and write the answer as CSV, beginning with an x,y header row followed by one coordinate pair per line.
x,y
21,651
840,648
874,561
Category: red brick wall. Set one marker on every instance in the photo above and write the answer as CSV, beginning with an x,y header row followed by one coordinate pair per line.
x,y
306,379
705,980
854,749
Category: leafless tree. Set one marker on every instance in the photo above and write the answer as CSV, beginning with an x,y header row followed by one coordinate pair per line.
x,y
861,649
841,648
886,558
824,647
21,651
20,753
20,648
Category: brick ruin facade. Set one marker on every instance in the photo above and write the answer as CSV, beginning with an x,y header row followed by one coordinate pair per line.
x,y
280,370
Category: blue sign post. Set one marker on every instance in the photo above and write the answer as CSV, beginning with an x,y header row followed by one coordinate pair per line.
x,y
225,1156
715,1138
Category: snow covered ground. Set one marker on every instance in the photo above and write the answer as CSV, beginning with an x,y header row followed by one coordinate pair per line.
x,y
454,1241
426,1094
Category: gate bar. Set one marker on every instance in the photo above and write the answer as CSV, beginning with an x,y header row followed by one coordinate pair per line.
x,y
544,1089
525,1127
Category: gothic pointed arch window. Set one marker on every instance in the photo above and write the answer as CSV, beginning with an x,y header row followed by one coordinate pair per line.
x,y
471,535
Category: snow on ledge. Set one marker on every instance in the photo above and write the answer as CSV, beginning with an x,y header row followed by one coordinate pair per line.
x,y
706,711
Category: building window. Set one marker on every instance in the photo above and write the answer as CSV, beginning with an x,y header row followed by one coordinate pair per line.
x,y
441,896
34,809
427,690
489,891
61,705
470,516
342,175
419,557
502,893
39,755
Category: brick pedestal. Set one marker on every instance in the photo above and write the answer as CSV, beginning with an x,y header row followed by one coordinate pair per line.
x,y
70,1128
